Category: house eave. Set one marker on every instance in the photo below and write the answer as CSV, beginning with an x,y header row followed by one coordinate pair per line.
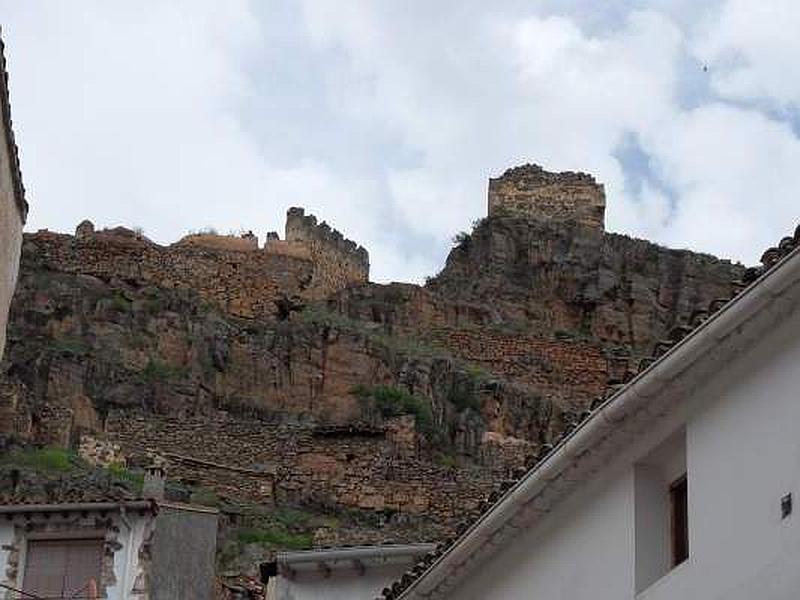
x,y
131,505
11,146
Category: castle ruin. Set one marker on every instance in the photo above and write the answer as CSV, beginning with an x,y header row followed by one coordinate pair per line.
x,y
529,191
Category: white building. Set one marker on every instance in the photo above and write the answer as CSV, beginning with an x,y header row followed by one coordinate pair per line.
x,y
340,573
13,208
128,550
682,485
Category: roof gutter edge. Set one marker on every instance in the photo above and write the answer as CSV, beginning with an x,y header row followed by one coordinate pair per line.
x,y
11,509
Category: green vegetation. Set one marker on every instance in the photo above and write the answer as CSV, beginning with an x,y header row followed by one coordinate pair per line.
x,y
464,391
157,371
391,401
205,497
447,460
71,346
276,537
131,479
462,239
41,459
119,303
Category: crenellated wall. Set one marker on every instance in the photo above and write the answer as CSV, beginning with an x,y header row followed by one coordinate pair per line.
x,y
227,270
530,191
338,262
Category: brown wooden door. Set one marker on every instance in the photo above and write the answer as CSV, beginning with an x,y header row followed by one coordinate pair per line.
x,y
62,568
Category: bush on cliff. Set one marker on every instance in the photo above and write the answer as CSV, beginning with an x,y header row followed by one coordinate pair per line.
x,y
390,401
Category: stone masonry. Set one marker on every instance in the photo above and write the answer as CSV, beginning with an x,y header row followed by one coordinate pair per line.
x,y
229,271
336,260
530,191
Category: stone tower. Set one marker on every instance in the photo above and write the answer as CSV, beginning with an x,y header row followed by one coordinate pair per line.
x,y
531,192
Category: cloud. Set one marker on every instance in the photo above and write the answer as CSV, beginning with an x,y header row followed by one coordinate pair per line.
x,y
731,170
751,49
386,119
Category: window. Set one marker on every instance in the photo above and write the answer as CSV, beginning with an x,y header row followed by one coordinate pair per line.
x,y
679,520
661,511
63,568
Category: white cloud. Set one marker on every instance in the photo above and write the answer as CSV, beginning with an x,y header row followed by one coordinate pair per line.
x,y
752,48
731,169
387,118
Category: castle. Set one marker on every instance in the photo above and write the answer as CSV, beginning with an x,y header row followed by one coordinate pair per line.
x,y
531,192
231,271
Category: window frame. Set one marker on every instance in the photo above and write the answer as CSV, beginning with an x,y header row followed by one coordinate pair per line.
x,y
84,536
679,521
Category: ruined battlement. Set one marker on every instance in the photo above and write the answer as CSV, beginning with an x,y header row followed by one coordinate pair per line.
x,y
230,271
529,191
336,260
304,228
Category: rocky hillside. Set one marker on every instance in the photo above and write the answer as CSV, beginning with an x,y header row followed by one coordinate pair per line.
x,y
269,382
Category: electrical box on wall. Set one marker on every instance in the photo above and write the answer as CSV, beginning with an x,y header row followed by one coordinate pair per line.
x,y
786,506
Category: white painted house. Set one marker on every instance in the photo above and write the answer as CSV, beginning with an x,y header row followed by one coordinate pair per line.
x,y
338,573
13,207
116,550
683,485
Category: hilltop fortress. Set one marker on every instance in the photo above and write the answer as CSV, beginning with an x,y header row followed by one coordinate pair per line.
x,y
529,191
312,262
277,373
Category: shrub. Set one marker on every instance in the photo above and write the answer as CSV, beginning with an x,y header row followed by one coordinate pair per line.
x,y
463,393
205,497
42,459
156,370
75,347
133,479
119,303
277,537
391,401
462,239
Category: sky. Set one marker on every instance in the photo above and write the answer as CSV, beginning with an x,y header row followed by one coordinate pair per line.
x,y
386,118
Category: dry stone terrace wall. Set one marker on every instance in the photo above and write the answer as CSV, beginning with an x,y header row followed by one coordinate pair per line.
x,y
248,459
574,372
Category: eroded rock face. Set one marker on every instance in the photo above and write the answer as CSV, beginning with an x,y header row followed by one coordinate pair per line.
x,y
569,279
398,399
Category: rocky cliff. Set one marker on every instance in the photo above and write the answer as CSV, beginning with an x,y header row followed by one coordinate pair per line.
x,y
272,378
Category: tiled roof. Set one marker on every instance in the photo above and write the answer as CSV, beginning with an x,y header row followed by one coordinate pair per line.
x,y
769,260
13,153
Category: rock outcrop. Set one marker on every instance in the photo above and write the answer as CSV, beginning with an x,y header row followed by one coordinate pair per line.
x,y
280,376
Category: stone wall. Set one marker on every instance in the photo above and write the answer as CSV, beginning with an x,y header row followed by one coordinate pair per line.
x,y
270,463
565,370
242,283
229,271
530,191
338,262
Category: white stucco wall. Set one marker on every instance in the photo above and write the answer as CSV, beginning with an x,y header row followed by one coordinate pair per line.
x,y
127,568
344,584
742,456
10,238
